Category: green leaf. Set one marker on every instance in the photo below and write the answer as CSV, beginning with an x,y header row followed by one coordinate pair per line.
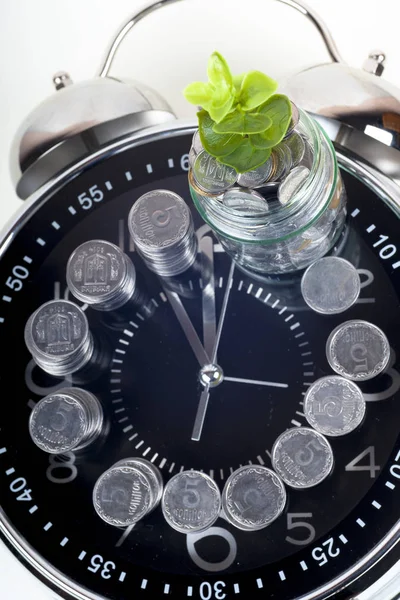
x,y
199,93
237,82
220,104
255,89
218,71
279,109
245,157
216,144
243,122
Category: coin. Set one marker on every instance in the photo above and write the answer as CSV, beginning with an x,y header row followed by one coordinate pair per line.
x,y
245,201
256,177
297,147
212,176
122,496
153,474
161,225
331,285
294,120
191,502
192,157
101,275
58,423
302,457
197,146
282,158
358,350
253,497
334,406
292,183
56,329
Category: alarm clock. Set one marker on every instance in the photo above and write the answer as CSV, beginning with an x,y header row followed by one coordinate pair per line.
x,y
81,161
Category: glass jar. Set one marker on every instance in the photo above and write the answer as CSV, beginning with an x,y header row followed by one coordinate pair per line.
x,y
283,224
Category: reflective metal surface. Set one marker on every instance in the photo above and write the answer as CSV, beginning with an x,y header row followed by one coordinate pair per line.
x,y
381,184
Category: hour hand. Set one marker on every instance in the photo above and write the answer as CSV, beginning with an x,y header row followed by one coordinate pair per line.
x,y
208,294
188,328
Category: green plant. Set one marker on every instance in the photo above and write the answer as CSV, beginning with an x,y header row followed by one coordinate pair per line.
x,y
242,118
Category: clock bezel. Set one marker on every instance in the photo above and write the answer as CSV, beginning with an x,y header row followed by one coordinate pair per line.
x,y
379,183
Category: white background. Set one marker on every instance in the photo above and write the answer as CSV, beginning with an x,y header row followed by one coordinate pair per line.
x,y
167,50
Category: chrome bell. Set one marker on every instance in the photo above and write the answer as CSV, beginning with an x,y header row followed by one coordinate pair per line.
x,y
359,111
76,121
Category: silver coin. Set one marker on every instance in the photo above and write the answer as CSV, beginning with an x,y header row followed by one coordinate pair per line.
x,y
294,120
191,502
59,423
122,496
192,157
153,474
161,225
256,177
244,201
282,158
292,183
358,350
331,285
101,275
197,146
334,406
297,147
302,457
58,337
212,176
253,497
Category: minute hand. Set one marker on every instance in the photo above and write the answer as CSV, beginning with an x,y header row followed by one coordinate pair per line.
x,y
203,403
188,329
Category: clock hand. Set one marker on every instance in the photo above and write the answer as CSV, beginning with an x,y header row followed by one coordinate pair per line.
x,y
188,329
208,294
256,382
203,402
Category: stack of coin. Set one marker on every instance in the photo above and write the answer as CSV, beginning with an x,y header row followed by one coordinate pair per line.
x,y
302,457
334,406
211,176
127,492
253,497
65,421
161,226
331,285
191,502
101,275
297,147
153,475
58,337
358,350
195,148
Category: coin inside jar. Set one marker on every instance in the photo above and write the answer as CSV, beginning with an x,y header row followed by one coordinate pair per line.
x,y
212,176
253,497
302,457
292,183
122,496
331,285
334,406
257,177
244,200
358,350
297,147
191,502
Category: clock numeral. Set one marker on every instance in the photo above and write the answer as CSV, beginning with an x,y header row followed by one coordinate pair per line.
x,y
293,523
93,194
371,467
321,555
97,562
208,591
213,567
185,162
62,468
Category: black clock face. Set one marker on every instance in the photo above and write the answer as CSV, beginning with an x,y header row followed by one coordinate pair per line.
x,y
272,348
